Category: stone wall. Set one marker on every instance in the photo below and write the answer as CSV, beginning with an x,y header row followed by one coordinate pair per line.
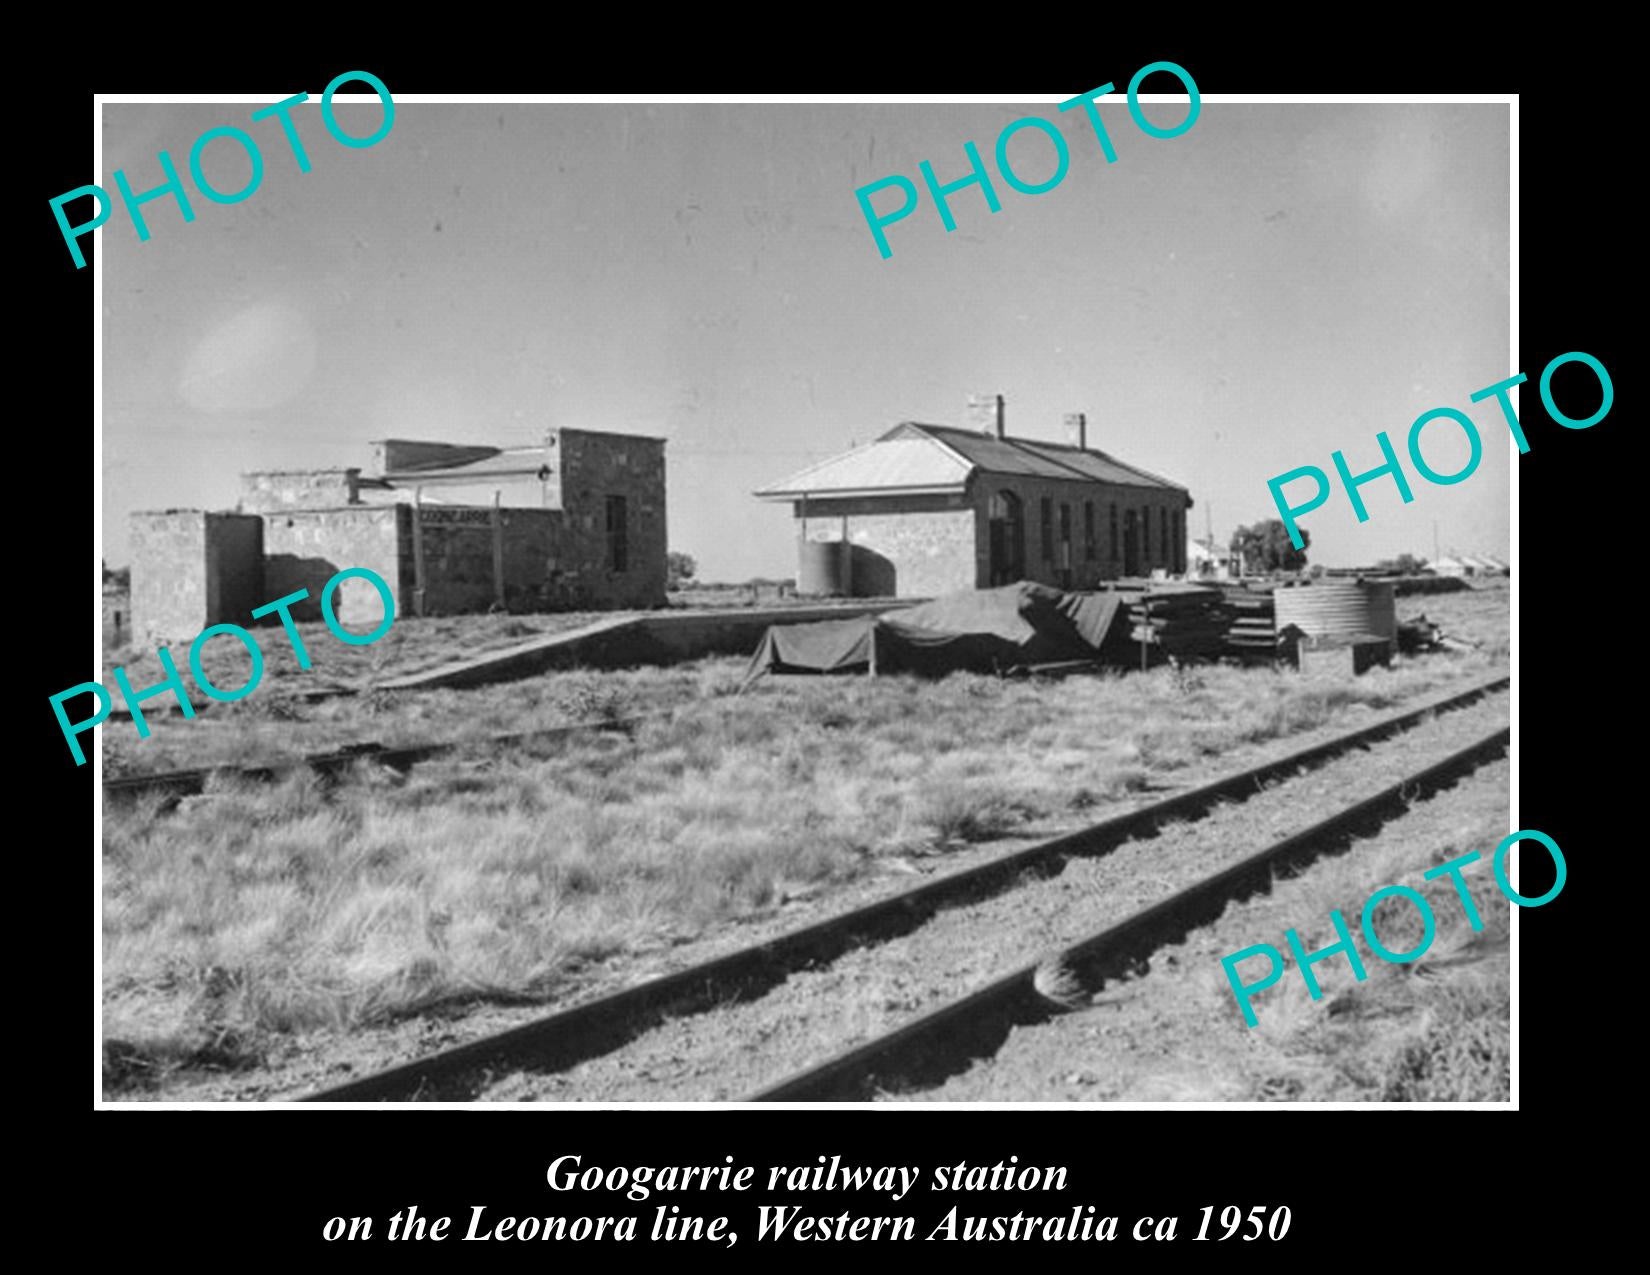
x,y
919,547
923,546
1107,561
304,548
191,569
234,566
267,491
591,468
554,559
459,561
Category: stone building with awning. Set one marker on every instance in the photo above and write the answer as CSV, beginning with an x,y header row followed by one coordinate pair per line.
x,y
931,509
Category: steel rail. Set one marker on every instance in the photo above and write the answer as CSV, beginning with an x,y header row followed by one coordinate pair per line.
x,y
588,1030
945,1041
192,781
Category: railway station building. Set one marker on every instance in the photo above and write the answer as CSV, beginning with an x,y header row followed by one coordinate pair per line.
x,y
931,509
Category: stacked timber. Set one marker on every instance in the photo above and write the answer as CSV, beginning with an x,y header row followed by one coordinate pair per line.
x,y
1253,633
1182,621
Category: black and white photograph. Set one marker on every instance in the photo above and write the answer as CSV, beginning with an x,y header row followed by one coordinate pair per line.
x,y
768,600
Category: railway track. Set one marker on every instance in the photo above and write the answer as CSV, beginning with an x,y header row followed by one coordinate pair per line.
x,y
189,782
564,1039
947,1040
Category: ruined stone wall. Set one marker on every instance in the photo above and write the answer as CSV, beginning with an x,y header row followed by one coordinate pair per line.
x,y
304,548
234,566
593,467
268,491
191,569
459,565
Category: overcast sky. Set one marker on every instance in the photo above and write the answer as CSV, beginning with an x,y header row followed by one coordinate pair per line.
x,y
1277,283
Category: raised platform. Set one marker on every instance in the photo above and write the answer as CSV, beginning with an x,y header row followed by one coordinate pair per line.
x,y
661,637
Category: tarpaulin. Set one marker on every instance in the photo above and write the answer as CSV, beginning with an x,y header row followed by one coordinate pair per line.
x,y
830,646
983,630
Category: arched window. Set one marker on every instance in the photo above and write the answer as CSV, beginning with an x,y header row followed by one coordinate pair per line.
x,y
1008,538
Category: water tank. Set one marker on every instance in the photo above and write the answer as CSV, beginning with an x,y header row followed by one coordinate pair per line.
x,y
1338,608
822,568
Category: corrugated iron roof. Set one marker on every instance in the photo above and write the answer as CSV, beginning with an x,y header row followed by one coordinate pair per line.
x,y
914,464
986,452
1097,465
914,456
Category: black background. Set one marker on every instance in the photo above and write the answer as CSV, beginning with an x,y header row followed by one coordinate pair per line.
x,y
232,1186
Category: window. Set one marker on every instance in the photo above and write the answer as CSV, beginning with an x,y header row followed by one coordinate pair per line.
x,y
1088,530
1065,535
1048,529
1008,539
618,540
1163,522
1114,549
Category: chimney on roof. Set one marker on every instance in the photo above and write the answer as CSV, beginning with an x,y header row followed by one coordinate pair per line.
x,y
1077,430
985,413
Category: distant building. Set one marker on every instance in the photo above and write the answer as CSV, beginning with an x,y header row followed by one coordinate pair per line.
x,y
1470,565
929,509
575,522
1208,560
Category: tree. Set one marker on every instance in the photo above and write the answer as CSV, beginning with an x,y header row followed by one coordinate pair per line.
x,y
679,569
1266,547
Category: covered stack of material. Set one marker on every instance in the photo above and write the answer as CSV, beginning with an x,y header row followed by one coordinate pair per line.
x,y
985,630
1253,633
1185,621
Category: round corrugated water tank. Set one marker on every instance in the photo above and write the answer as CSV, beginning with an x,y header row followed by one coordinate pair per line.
x,y
1338,608
822,568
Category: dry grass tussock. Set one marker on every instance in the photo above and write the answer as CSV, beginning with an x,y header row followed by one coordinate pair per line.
x,y
410,646
258,912
1480,615
1434,1030
273,724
